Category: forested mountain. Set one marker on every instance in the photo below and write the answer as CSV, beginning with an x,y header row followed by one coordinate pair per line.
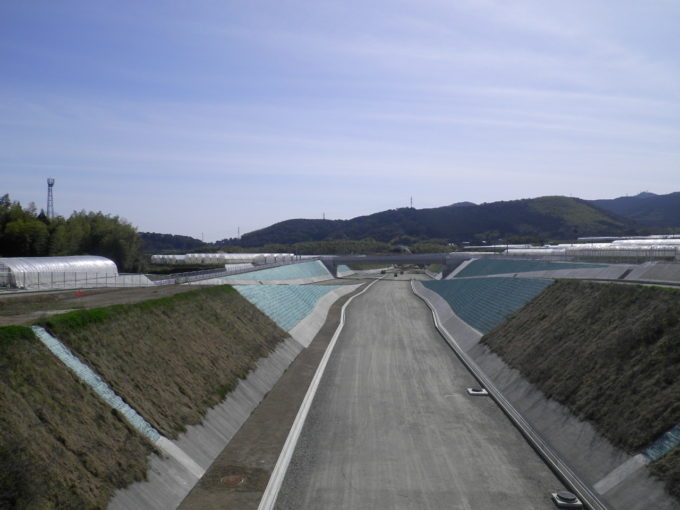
x,y
27,232
541,218
646,208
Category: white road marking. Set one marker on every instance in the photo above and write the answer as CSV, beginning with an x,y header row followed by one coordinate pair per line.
x,y
276,480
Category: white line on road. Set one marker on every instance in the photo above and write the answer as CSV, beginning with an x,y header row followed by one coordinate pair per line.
x,y
276,480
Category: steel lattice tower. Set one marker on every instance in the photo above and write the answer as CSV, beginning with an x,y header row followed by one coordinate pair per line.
x,y
50,198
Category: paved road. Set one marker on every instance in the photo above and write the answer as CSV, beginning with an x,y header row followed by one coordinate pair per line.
x,y
392,427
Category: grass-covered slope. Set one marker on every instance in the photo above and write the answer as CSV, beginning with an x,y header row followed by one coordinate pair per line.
x,y
668,468
610,352
171,358
61,447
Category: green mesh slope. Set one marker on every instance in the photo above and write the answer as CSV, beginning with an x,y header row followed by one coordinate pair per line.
x,y
485,302
285,304
289,272
485,267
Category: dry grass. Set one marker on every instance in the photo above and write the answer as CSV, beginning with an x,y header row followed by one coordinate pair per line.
x,y
171,358
668,468
611,353
61,447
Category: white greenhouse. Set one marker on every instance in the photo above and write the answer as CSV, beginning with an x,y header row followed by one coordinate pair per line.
x,y
619,250
219,258
56,272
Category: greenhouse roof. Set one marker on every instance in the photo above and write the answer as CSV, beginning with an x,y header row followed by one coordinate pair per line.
x,y
71,264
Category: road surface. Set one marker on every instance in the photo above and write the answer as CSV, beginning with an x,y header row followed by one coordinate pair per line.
x,y
392,426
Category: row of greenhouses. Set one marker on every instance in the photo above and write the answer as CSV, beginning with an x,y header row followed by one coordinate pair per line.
x,y
214,259
618,250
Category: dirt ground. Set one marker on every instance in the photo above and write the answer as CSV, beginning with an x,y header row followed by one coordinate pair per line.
x,y
22,309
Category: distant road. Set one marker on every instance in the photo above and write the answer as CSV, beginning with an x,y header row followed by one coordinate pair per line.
x,y
392,427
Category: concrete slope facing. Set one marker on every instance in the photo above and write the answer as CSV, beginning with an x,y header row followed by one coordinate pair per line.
x,y
345,270
667,272
305,272
464,333
460,267
484,303
290,274
299,309
611,272
392,426
499,266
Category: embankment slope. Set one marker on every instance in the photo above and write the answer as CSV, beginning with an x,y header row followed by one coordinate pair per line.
x,y
610,353
171,358
61,446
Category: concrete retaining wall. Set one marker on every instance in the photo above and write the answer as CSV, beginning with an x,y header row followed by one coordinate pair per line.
x,y
344,270
656,271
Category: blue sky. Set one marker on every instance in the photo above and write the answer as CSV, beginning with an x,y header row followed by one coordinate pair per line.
x,y
198,118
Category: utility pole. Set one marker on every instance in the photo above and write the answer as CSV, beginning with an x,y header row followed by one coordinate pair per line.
x,y
412,202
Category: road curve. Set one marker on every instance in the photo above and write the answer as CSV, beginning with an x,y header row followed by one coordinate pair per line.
x,y
392,427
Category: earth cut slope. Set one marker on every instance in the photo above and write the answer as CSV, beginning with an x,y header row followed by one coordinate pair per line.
x,y
610,353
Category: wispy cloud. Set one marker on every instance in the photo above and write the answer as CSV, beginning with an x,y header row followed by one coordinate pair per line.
x,y
488,99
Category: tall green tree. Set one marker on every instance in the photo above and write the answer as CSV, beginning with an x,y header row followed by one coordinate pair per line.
x,y
25,232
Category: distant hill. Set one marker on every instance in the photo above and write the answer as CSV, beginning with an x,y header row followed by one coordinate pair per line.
x,y
156,243
646,208
553,217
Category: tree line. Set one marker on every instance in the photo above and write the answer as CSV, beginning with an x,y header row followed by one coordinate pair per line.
x,y
27,232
